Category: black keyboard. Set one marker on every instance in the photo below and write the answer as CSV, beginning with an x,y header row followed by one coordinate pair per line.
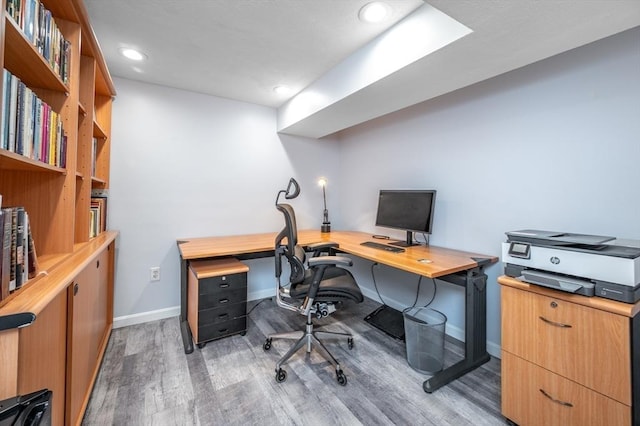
x,y
381,246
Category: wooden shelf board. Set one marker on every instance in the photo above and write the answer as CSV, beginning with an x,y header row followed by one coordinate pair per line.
x,y
98,132
97,181
12,161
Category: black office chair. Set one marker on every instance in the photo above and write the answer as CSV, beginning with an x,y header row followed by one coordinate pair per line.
x,y
312,289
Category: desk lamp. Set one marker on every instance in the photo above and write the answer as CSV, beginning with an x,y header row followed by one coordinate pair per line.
x,y
326,225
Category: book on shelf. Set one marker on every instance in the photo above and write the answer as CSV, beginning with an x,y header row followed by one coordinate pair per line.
x,y
4,128
39,27
98,216
30,126
13,249
32,258
20,225
5,252
18,259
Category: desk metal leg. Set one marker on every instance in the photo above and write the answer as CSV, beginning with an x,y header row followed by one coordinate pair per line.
x,y
187,338
475,332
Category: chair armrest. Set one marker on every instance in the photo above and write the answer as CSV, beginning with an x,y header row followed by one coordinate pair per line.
x,y
322,245
330,260
316,249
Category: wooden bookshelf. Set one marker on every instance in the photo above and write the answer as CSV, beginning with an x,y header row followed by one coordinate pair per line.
x,y
63,348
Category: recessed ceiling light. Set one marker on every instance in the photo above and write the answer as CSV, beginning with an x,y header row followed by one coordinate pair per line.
x,y
373,12
132,54
282,90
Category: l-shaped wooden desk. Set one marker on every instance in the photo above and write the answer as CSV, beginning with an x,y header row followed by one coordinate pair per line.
x,y
458,267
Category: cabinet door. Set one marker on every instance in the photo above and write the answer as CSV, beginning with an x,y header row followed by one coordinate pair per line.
x,y
42,355
89,327
100,313
586,345
83,293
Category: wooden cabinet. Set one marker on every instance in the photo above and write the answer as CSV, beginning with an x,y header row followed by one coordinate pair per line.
x,y
63,348
568,359
217,298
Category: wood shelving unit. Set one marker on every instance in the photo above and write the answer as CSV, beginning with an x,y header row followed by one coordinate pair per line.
x,y
72,296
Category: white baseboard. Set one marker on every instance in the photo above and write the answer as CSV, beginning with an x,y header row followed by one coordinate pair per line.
x,y
262,294
174,311
143,317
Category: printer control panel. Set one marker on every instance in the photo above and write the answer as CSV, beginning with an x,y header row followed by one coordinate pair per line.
x,y
519,249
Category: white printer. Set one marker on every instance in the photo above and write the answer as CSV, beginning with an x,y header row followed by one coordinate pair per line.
x,y
591,265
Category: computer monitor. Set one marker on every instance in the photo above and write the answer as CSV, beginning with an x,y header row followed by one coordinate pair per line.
x,y
409,210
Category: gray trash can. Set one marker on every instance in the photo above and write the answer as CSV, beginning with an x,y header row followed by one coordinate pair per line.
x,y
424,336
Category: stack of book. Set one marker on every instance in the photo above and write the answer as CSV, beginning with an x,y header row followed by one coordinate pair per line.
x,y
39,27
18,260
29,126
98,221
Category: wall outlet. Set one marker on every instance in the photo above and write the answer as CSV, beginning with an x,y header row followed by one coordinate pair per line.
x,y
155,273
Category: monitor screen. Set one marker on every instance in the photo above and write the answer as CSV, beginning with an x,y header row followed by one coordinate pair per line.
x,y
409,210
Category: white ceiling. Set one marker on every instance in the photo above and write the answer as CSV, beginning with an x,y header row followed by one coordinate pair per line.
x,y
241,49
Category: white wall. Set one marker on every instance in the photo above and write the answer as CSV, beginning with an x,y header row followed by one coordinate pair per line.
x,y
552,146
188,165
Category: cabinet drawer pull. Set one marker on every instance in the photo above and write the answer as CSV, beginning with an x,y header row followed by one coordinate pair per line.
x,y
556,324
223,315
557,401
221,301
223,330
224,285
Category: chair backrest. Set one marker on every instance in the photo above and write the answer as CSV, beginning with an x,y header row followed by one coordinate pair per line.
x,y
292,251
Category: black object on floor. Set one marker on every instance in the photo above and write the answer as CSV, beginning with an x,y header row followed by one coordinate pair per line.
x,y
388,320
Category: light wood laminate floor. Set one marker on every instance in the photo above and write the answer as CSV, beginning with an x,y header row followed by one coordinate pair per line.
x,y
147,379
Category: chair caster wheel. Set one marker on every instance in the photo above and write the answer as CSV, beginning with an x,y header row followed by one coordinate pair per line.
x,y
267,344
350,342
341,378
281,375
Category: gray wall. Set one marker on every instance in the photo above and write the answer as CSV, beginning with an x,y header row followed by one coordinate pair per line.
x,y
552,146
190,165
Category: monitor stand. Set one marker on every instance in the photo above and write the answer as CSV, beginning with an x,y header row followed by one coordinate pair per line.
x,y
388,320
409,242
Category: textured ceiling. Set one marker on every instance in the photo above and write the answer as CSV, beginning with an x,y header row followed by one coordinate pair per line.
x,y
238,49
241,49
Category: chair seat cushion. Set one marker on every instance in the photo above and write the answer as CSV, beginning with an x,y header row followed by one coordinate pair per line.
x,y
337,284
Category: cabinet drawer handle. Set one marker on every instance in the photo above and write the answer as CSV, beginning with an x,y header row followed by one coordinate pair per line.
x,y
224,285
223,315
556,324
557,401
221,301
223,330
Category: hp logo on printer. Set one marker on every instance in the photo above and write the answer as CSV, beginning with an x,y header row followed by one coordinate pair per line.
x,y
554,260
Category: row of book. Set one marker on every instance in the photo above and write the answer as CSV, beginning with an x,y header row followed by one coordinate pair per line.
x,y
98,212
39,27
30,127
18,260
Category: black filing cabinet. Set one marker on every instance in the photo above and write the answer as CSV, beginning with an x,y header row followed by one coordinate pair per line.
x,y
217,299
